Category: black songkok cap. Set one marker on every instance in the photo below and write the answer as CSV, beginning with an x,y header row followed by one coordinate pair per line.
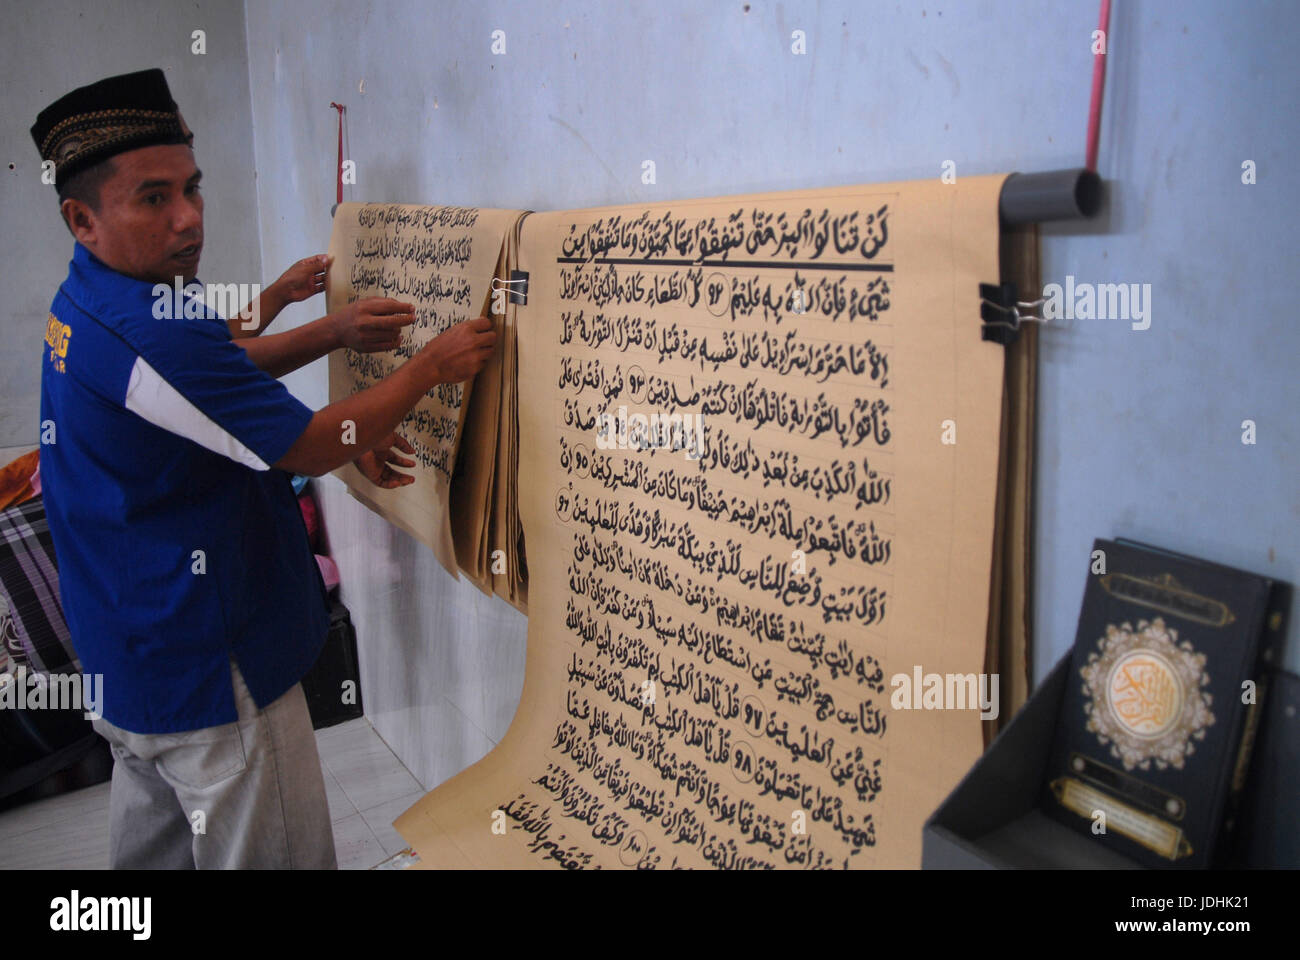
x,y
112,116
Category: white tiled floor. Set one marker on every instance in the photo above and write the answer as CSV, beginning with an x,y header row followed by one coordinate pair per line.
x,y
366,785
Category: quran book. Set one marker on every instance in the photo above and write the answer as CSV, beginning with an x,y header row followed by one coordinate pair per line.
x,y
1165,686
761,486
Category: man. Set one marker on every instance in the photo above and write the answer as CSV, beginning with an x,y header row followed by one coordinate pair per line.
x,y
185,572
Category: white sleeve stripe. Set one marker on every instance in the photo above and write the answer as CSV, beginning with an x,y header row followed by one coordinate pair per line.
x,y
151,397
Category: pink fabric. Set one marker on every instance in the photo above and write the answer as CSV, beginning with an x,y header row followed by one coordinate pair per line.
x,y
310,518
328,572
36,480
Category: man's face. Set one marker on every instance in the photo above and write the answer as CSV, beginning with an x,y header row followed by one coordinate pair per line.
x,y
149,224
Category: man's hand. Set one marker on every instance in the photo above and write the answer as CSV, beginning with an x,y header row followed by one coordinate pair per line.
x,y
460,352
304,279
375,464
372,325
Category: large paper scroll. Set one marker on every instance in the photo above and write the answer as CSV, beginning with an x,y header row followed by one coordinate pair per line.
x,y
720,636
442,260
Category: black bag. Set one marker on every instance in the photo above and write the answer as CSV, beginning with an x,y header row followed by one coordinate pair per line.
x,y
333,685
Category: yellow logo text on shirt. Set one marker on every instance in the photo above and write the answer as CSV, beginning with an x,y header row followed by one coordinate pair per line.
x,y
57,334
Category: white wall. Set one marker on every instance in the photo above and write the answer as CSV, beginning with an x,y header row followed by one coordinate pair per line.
x,y
50,48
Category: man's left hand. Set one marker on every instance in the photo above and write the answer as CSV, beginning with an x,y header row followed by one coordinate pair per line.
x,y
375,464
372,325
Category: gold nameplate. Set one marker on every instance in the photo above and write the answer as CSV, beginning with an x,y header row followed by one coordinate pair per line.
x,y
1156,835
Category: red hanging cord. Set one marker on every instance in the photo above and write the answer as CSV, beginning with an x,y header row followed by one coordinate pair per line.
x,y
1098,86
340,108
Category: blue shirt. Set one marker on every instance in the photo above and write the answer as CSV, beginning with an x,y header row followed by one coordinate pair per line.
x,y
178,545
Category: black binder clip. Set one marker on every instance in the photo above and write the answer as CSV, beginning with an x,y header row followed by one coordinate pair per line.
x,y
517,285
1001,314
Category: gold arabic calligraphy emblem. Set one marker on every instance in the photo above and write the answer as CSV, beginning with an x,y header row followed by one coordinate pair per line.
x,y
1144,695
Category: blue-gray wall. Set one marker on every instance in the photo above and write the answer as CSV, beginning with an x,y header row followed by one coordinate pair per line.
x,y
48,49
1140,431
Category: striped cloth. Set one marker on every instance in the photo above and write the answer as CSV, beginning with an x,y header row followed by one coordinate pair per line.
x,y
29,580
11,653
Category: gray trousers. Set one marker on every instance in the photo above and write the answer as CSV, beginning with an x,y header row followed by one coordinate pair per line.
x,y
248,794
